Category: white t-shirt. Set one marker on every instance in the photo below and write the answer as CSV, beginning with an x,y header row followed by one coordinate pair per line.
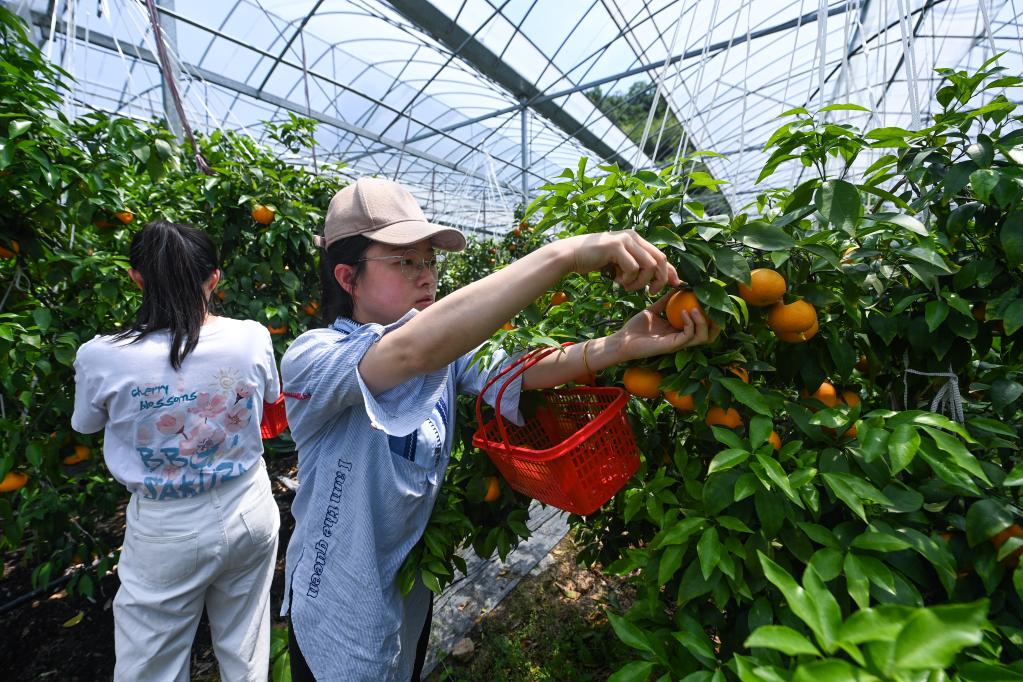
x,y
171,434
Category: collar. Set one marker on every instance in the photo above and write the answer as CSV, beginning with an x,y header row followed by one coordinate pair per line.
x,y
345,325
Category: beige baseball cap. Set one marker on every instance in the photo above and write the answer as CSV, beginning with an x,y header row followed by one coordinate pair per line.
x,y
385,212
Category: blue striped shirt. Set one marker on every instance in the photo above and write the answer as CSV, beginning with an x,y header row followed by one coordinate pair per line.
x,y
370,468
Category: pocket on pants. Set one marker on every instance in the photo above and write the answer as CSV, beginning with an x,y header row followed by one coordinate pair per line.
x,y
162,561
262,520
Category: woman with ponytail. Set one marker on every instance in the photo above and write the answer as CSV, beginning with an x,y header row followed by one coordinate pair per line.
x,y
179,394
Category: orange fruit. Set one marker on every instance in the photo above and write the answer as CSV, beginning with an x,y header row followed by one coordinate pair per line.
x,y
82,453
221,295
6,253
718,416
863,365
642,382
276,331
739,371
589,379
13,481
125,216
559,297
679,301
508,326
524,225
798,337
798,316
851,398
311,307
766,287
826,394
850,432
262,215
493,489
775,440
1013,531
682,403
15,246
980,311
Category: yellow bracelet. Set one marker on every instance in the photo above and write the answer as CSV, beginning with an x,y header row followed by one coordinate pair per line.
x,y
586,361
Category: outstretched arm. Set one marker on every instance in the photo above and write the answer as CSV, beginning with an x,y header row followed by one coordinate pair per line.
x,y
464,319
646,334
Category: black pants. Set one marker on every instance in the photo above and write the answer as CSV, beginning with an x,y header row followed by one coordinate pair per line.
x,y
300,669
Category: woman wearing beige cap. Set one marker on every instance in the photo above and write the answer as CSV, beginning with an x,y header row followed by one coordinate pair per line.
x,y
370,407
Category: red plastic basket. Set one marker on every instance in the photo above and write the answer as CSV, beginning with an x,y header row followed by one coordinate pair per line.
x,y
274,419
575,453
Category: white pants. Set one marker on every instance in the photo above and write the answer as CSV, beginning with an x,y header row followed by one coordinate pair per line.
x,y
217,549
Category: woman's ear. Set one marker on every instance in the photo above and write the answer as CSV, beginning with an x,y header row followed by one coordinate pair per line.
x,y
345,276
136,277
214,280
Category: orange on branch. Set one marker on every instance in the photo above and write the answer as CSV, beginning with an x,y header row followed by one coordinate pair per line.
x,y
851,398
775,440
788,318
311,308
125,216
862,365
682,403
766,287
718,416
558,298
277,331
14,480
82,453
825,393
739,371
642,382
799,337
679,301
493,489
262,214
508,327
1013,531
6,253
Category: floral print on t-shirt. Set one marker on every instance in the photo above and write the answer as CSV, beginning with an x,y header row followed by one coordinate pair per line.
x,y
190,441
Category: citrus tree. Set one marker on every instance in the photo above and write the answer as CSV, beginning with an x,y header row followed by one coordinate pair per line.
x,y
803,510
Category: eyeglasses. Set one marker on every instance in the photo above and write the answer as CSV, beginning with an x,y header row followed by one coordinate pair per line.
x,y
412,263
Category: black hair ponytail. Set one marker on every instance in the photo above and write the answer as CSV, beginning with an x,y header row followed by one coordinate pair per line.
x,y
175,261
336,302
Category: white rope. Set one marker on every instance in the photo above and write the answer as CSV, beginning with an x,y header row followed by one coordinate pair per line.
x,y
909,62
946,401
987,26
745,103
53,31
822,47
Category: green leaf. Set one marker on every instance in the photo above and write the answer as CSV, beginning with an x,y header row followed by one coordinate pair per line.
x,y
880,624
670,562
902,220
18,127
629,634
726,459
781,638
933,637
637,671
709,550
963,457
983,183
765,237
986,519
732,265
848,106
747,395
935,313
839,203
929,257
831,670
42,318
1004,392
1012,238
1013,317
778,477
663,236
838,484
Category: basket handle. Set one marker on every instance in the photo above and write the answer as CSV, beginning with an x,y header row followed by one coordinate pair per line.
x,y
523,363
